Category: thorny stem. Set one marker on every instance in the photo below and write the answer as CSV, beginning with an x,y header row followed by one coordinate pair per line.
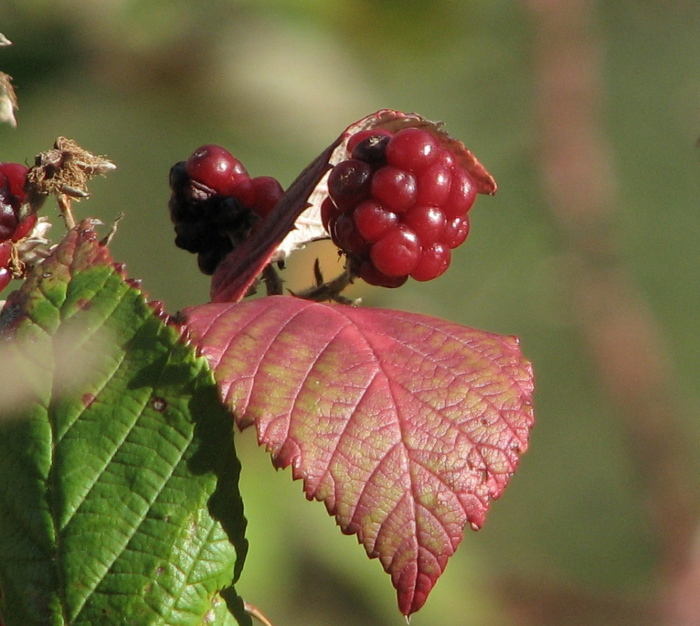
x,y
255,612
64,205
106,240
273,282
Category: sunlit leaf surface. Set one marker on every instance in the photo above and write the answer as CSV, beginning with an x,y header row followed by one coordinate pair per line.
x,y
405,426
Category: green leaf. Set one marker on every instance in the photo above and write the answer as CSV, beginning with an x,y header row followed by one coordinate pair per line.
x,y
119,501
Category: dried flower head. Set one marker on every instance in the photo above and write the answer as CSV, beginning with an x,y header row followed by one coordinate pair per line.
x,y
64,171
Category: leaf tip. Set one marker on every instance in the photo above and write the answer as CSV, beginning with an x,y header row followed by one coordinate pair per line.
x,y
412,597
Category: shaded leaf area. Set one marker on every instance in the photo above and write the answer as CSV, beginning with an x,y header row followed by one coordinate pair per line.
x,y
404,425
119,501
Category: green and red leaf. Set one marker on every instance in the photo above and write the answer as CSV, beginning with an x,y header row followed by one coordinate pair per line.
x,y
119,499
404,425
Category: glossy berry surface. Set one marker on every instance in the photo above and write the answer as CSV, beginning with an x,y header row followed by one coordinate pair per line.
x,y
12,180
12,196
5,277
25,227
368,272
395,188
456,231
398,205
369,146
397,252
373,221
13,227
266,193
434,261
412,150
5,253
348,183
215,204
5,261
215,167
8,221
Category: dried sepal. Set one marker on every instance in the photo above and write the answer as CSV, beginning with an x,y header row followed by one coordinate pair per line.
x,y
32,249
64,171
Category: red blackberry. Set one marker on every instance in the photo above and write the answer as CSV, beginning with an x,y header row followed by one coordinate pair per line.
x,y
266,193
373,221
371,137
366,270
348,183
8,221
412,149
5,256
456,231
397,252
12,179
5,253
348,237
25,227
5,277
328,211
398,205
462,194
214,203
395,188
434,184
13,229
369,146
434,261
216,168
429,221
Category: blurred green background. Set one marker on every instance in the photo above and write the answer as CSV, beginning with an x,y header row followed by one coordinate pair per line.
x,y
146,82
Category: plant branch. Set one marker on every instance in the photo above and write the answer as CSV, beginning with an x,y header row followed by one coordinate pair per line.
x,y
330,291
255,612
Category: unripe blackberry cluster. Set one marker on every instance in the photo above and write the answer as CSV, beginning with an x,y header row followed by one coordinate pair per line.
x,y
398,206
13,226
215,203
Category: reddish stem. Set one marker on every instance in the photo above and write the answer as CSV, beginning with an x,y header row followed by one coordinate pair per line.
x,y
622,334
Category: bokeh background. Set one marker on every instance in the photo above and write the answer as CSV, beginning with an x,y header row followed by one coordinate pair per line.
x,y
588,115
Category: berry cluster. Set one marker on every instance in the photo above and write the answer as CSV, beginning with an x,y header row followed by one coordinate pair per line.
x,y
13,226
215,203
398,206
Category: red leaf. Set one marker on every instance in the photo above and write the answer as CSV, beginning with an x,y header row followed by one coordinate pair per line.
x,y
404,425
